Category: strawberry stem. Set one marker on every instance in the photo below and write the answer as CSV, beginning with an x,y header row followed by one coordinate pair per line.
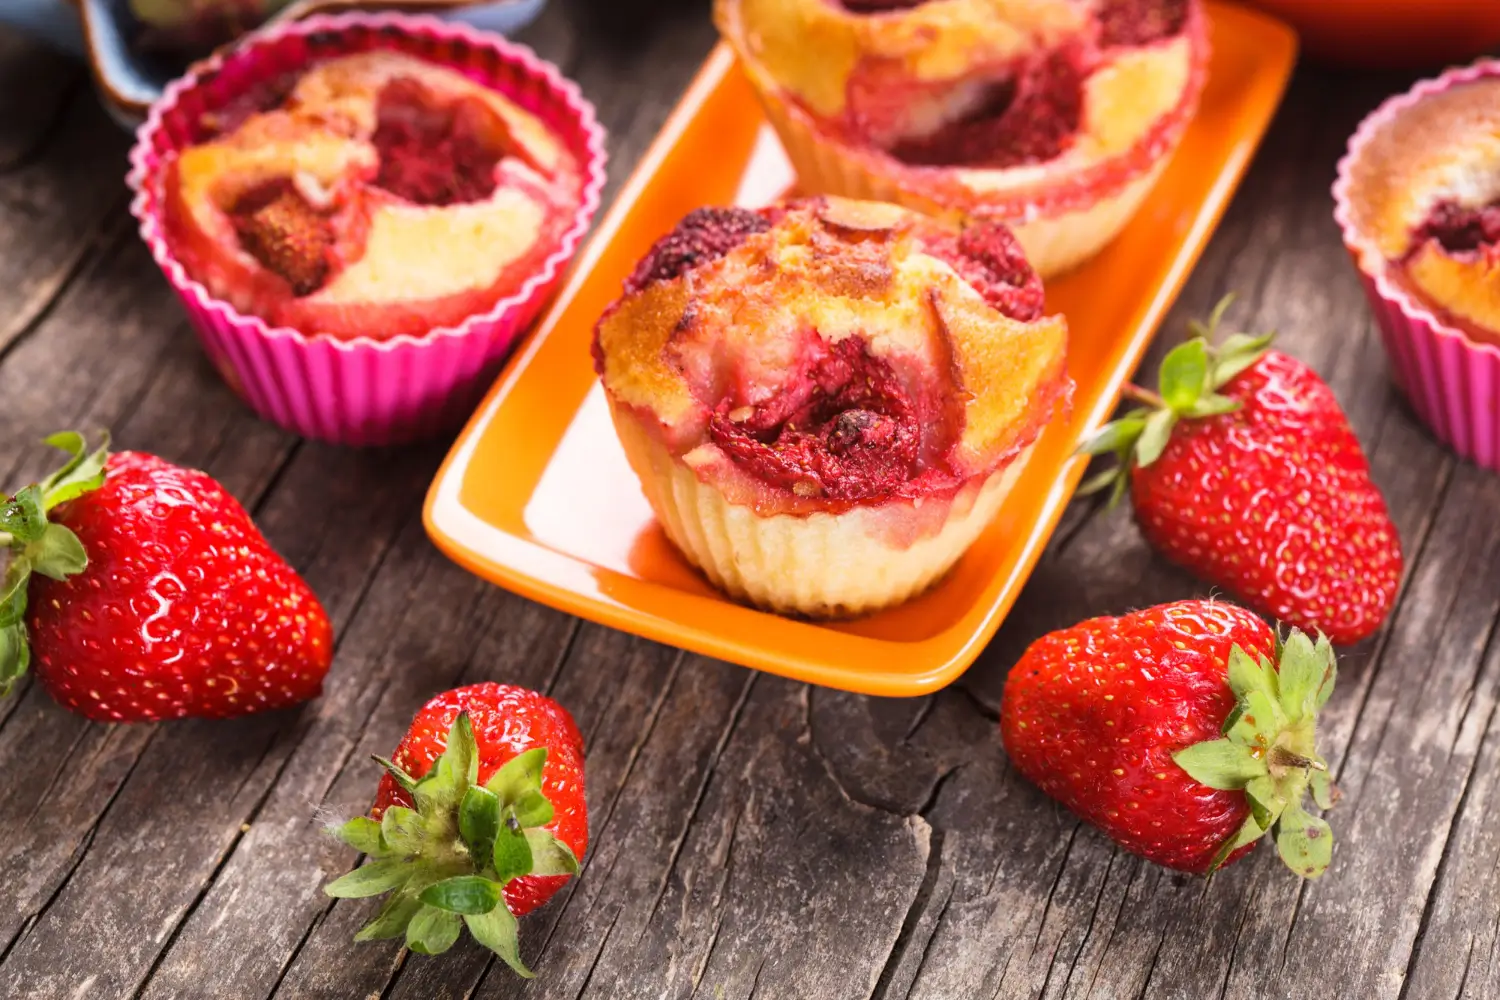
x,y
1145,397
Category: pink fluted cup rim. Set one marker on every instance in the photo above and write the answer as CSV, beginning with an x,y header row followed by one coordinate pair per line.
x,y
1367,256
145,163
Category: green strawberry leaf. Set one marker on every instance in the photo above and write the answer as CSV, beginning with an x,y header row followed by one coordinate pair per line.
x,y
512,854
519,775
1211,405
83,472
58,553
479,820
1116,436
1154,437
452,773
1249,832
1100,480
1323,792
22,517
407,782
1207,329
1304,841
363,834
1246,675
403,830
464,894
1265,800
13,592
393,919
15,656
496,930
1302,672
1222,764
1238,352
370,879
549,855
1324,649
1256,721
1183,372
432,931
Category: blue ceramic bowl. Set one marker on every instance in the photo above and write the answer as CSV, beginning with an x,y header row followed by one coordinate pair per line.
x,y
129,82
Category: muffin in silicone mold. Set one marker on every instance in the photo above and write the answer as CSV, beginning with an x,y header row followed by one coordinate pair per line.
x,y
1054,116
827,401
1423,203
381,196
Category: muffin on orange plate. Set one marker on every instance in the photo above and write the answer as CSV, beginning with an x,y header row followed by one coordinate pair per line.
x,y
362,213
1054,116
826,401
1418,200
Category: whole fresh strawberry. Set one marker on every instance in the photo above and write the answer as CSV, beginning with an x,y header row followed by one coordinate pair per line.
x,y
139,590
1243,469
480,818
1184,732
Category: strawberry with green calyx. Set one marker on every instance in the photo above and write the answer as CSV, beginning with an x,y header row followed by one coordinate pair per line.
x,y
1185,732
480,818
1243,469
139,590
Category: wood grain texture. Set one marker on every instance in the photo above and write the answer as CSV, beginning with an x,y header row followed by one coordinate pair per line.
x,y
749,837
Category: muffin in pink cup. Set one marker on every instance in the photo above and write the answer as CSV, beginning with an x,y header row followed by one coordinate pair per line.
x,y
362,213
1418,200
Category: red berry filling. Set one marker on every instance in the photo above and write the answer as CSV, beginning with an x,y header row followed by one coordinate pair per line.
x,y
844,427
1140,22
432,153
285,234
1460,229
989,258
703,236
1030,117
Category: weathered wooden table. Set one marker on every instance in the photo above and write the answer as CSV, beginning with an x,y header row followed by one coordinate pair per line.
x,y
750,836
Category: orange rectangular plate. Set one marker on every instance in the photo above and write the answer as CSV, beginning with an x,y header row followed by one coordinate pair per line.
x,y
536,494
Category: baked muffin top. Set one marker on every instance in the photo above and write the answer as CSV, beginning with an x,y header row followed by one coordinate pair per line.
x,y
1424,196
380,195
1005,94
831,352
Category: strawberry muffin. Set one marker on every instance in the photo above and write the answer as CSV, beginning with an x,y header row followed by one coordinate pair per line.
x,y
1054,116
827,401
383,195
1418,200
362,213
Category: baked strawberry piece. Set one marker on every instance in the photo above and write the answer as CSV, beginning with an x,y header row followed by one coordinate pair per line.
x,y
1054,116
480,818
827,401
372,195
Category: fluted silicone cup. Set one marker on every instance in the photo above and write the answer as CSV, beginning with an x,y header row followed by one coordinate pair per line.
x,y
363,391
1452,382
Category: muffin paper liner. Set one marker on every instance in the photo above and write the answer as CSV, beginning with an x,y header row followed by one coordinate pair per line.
x,y
363,391
1452,382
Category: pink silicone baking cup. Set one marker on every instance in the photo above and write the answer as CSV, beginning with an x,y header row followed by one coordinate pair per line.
x,y
1452,382
363,391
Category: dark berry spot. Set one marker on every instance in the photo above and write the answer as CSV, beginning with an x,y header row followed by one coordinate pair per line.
x,y
842,427
1140,22
433,153
703,236
285,234
989,258
1030,116
1460,229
